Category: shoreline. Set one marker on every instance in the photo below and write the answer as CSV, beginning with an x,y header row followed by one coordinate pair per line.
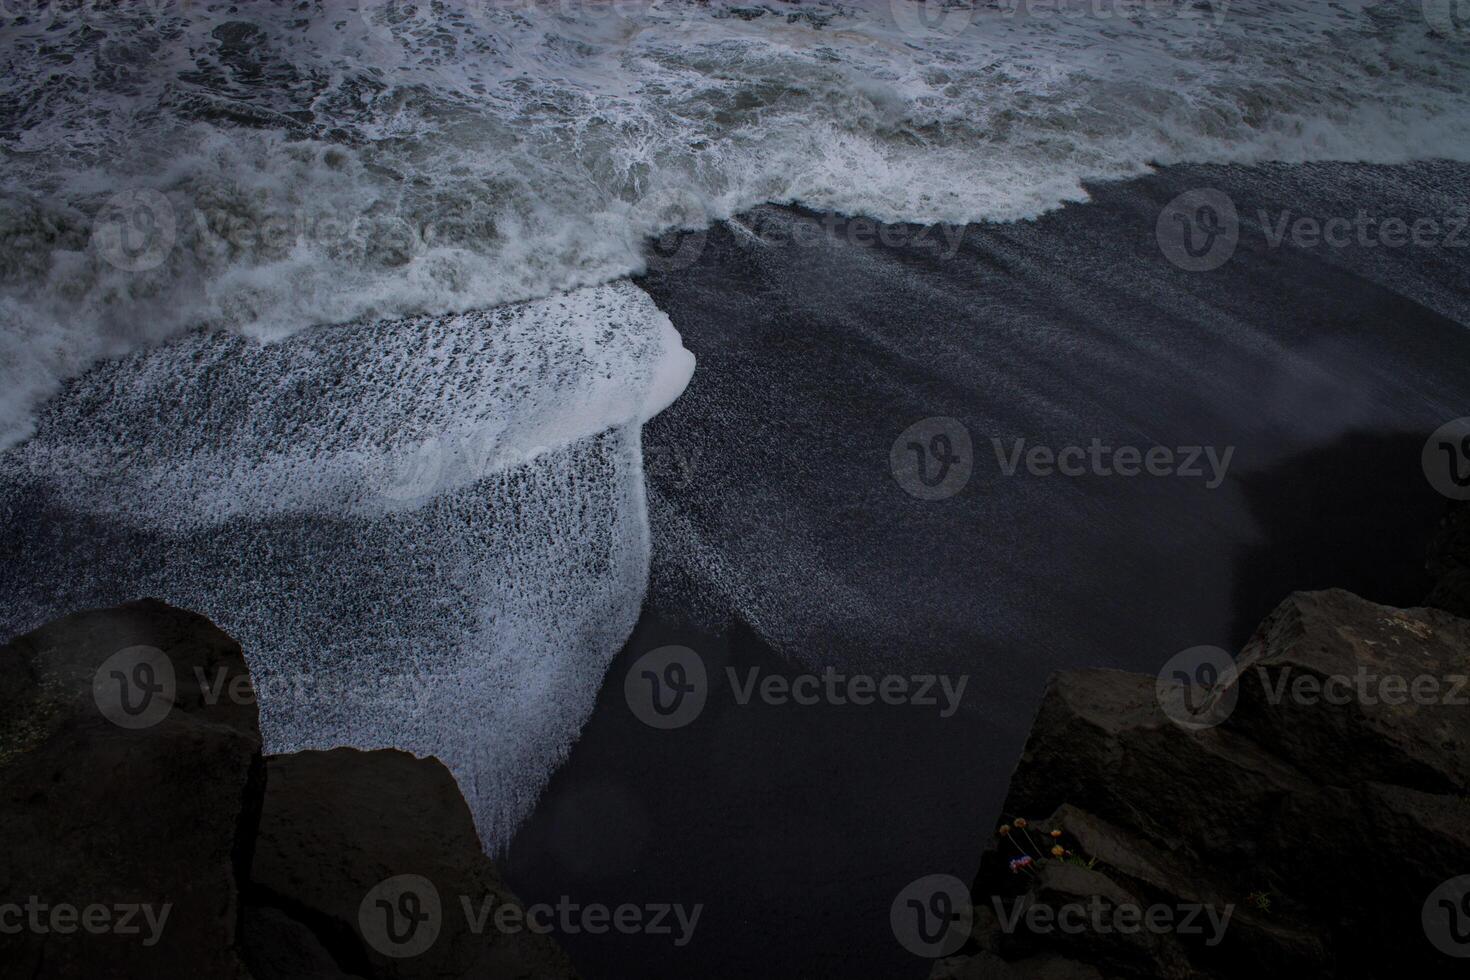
x,y
781,540
787,543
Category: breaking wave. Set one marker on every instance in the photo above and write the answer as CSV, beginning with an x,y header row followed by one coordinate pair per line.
x,y
265,167
427,534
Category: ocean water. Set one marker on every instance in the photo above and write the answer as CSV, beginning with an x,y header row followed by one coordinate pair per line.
x,y
265,167
428,534
313,314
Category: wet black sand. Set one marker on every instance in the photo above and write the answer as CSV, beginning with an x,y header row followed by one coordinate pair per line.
x,y
782,540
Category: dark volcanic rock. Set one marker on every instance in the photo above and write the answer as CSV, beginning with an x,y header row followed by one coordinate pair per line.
x,y
1321,815
137,793
339,824
145,836
1449,561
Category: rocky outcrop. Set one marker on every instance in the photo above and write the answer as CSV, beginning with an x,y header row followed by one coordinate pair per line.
x,y
336,826
1449,561
146,836
128,802
1302,820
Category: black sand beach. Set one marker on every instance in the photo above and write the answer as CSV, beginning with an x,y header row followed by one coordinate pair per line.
x,y
1325,368
465,455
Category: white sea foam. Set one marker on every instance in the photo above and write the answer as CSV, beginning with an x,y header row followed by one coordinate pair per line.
x,y
354,420
329,160
428,534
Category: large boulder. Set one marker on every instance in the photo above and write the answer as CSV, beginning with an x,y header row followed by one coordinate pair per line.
x,y
129,795
1449,561
146,836
353,847
1320,808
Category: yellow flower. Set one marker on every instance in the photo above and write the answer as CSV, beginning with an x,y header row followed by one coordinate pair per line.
x,y
1004,830
1021,822
1056,833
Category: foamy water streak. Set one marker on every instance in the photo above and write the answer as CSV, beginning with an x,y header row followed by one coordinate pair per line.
x,y
285,165
429,535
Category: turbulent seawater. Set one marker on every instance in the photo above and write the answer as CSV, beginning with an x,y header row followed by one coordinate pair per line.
x,y
316,162
312,314
428,534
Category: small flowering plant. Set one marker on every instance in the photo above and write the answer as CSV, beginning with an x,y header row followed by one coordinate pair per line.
x,y
1031,853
